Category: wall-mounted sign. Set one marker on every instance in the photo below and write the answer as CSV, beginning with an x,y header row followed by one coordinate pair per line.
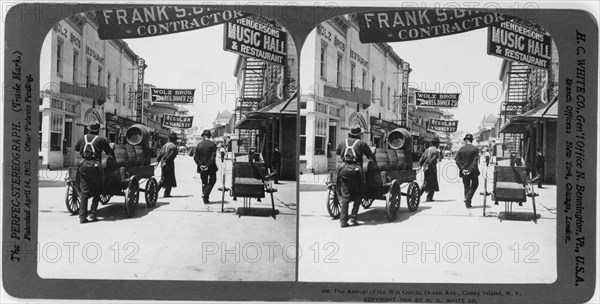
x,y
91,91
140,90
442,125
177,121
404,97
158,20
414,24
447,100
172,95
515,42
257,40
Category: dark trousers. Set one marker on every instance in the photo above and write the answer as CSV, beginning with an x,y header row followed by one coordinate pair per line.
x,y
209,178
540,173
470,182
276,167
83,208
89,182
349,189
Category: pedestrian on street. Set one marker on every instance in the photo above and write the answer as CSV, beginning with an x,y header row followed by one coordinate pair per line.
x,y
467,159
166,158
428,164
539,167
205,158
222,152
349,184
89,179
276,164
486,153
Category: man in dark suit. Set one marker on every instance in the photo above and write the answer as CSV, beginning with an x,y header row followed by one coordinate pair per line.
x,y
205,158
166,159
467,159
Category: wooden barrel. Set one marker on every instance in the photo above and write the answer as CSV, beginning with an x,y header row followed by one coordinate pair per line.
x,y
121,158
142,155
403,163
383,160
394,164
133,161
400,138
137,135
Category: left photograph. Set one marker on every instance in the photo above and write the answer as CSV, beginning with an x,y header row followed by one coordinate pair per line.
x,y
167,146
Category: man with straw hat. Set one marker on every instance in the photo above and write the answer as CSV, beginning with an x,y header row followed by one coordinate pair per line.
x,y
349,184
89,180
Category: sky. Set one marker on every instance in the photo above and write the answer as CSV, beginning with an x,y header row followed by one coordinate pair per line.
x,y
192,60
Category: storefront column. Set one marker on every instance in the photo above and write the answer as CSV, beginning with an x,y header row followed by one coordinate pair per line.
x,y
45,140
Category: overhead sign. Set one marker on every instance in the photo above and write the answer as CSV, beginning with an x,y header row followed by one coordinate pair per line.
x,y
414,24
447,100
257,40
404,97
442,125
177,121
158,20
91,91
172,95
515,42
140,92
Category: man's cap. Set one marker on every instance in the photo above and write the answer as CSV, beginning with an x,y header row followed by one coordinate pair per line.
x,y
173,135
468,137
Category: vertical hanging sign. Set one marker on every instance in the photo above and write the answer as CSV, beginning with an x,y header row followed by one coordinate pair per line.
x,y
140,91
404,103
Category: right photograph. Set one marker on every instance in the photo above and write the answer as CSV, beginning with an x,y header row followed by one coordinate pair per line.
x,y
428,149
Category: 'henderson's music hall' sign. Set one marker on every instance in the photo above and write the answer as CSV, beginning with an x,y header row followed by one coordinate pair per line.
x,y
254,39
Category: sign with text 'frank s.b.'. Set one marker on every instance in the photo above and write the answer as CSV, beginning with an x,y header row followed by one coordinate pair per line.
x,y
177,121
172,95
158,20
516,42
254,39
442,125
447,100
414,24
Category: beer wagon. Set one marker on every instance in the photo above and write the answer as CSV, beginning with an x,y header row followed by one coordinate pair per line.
x,y
127,175
392,178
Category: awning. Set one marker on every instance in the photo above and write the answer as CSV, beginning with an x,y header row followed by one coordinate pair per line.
x,y
518,123
254,120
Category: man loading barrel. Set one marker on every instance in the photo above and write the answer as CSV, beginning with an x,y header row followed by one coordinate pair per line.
x,y
349,185
90,174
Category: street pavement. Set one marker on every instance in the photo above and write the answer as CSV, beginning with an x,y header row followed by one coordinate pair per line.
x,y
442,241
179,239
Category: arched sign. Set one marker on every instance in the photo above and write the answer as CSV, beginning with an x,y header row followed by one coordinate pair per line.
x,y
92,116
357,119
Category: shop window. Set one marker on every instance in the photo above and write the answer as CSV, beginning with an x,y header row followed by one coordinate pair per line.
x,y
75,66
56,130
40,132
59,57
320,145
302,135
321,125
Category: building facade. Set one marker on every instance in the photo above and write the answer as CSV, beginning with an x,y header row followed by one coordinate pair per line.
x,y
351,83
83,79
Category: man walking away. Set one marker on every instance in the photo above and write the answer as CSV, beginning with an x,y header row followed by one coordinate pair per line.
x,y
428,164
349,185
166,157
276,164
539,167
205,158
90,174
467,159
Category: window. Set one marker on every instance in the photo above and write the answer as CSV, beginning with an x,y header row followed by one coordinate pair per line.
x,y
352,81
389,98
396,108
117,91
321,125
56,130
125,95
99,75
146,95
75,66
59,54
381,93
340,58
322,70
40,131
302,135
88,73
108,85
364,80
373,90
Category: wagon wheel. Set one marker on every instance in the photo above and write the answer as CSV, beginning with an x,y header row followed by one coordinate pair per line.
x,y
333,203
132,195
412,197
105,198
151,192
71,199
392,201
367,202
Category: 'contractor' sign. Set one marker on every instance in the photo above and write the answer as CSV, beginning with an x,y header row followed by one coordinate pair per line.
x,y
436,99
176,121
158,20
442,125
172,95
254,39
515,42
414,24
